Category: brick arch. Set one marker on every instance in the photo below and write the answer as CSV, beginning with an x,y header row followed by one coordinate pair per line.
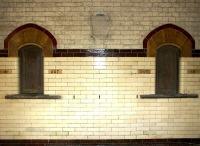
x,y
30,34
169,34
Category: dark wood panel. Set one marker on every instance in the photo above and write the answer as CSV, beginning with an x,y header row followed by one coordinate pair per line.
x,y
167,70
31,70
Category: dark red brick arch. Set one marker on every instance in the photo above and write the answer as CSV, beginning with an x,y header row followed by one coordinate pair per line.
x,y
169,34
164,27
27,26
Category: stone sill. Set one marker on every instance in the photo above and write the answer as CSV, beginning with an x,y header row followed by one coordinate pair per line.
x,y
151,96
32,96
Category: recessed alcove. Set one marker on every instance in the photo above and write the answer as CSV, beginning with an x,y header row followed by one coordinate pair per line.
x,y
31,53
167,70
31,74
167,74
31,70
168,43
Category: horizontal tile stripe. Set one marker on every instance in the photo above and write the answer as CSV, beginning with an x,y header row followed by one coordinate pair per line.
x,y
100,53
117,142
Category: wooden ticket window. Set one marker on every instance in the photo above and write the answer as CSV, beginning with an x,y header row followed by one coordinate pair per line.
x,y
168,43
37,43
167,70
31,70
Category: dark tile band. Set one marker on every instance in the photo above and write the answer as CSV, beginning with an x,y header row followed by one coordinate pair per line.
x,y
196,53
100,53
3,53
117,142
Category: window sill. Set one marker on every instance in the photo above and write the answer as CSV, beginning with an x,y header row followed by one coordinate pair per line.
x,y
151,96
32,96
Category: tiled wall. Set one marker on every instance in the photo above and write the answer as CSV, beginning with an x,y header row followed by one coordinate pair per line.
x,y
100,96
100,100
129,20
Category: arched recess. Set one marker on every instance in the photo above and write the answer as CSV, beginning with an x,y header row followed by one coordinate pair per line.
x,y
30,34
169,34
